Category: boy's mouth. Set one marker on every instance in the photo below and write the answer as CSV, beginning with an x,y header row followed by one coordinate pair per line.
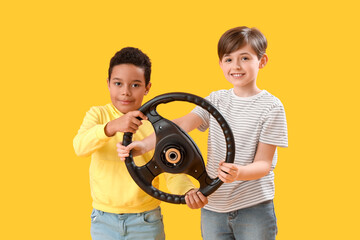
x,y
237,75
125,102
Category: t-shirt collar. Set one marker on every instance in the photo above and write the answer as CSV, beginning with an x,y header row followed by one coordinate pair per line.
x,y
248,98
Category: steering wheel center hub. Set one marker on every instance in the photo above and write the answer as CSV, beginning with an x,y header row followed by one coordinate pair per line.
x,y
173,155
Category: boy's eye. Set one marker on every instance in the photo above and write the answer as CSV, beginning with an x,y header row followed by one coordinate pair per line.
x,y
227,60
117,83
136,85
244,58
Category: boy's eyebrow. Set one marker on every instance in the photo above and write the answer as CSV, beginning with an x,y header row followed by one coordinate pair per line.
x,y
119,79
136,81
244,53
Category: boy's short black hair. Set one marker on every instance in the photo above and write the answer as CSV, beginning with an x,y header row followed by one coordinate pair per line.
x,y
135,56
237,37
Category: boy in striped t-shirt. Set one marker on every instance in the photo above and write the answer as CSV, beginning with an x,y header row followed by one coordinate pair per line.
x,y
242,208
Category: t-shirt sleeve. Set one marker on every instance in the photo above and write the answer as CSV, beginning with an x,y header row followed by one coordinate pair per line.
x,y
274,129
204,114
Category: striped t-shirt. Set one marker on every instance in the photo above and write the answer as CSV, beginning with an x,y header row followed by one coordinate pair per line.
x,y
259,118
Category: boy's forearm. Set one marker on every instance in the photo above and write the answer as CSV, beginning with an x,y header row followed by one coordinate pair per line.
x,y
253,171
261,165
149,142
188,122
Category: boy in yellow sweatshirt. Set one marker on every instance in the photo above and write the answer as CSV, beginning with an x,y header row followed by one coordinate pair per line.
x,y
121,209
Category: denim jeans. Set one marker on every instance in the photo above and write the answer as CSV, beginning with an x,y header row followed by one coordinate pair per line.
x,y
253,223
110,226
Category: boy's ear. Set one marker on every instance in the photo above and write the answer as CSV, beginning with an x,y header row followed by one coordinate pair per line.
x,y
263,61
108,82
147,88
220,64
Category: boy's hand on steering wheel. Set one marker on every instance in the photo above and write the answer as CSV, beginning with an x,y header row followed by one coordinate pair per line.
x,y
128,122
228,172
137,147
195,199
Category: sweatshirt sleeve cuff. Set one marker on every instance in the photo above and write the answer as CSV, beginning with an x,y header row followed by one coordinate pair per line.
x,y
100,132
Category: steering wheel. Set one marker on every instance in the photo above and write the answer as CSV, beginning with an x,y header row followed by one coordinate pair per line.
x,y
175,151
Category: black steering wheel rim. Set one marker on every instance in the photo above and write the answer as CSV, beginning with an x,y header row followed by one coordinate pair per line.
x,y
171,138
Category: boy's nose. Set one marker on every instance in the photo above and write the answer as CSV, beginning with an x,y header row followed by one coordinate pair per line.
x,y
125,91
237,64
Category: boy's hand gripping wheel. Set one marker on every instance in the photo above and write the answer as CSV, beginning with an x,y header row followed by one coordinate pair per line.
x,y
175,151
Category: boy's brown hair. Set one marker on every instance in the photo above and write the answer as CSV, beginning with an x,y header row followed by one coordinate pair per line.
x,y
237,37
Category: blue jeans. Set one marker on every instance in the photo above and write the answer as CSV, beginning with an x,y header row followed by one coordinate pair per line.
x,y
253,223
110,226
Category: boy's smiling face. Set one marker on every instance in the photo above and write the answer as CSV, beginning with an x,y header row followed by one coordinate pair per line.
x,y
127,87
241,67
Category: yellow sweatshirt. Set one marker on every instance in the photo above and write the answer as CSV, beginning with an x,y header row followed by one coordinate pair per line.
x,y
112,188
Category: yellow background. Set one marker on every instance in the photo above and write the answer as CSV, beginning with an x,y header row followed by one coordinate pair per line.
x,y
54,61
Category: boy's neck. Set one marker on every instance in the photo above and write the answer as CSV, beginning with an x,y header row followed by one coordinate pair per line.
x,y
117,111
246,92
